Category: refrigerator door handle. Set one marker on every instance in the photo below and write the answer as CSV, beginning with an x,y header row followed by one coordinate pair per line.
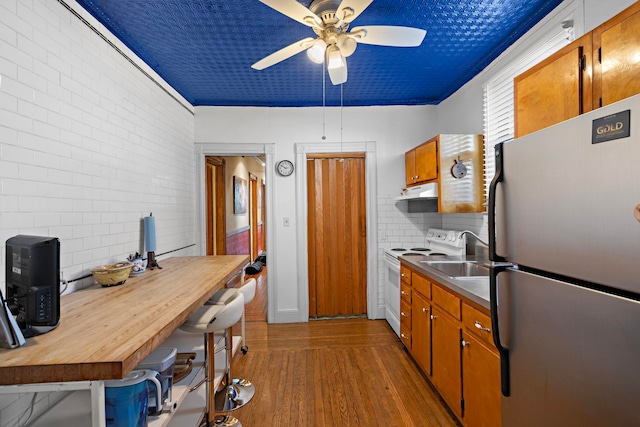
x,y
505,381
497,178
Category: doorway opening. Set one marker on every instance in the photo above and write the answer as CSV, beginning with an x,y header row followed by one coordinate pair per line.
x,y
235,208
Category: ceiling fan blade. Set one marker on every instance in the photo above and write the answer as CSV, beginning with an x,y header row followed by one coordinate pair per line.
x,y
349,10
296,11
282,54
385,35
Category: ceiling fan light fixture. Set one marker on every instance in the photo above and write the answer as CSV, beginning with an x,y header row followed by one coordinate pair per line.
x,y
347,45
335,59
336,66
317,50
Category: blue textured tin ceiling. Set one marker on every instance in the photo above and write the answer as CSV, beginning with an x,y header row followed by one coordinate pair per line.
x,y
204,49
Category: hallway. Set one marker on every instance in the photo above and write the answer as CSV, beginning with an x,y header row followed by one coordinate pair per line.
x,y
346,372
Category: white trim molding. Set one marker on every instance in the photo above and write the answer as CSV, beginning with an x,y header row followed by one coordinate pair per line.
x,y
227,149
301,151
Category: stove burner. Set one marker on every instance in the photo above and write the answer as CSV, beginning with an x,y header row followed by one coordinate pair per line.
x,y
420,249
437,254
412,253
398,249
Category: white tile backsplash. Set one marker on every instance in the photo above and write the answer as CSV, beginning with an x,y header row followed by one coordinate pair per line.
x,y
396,226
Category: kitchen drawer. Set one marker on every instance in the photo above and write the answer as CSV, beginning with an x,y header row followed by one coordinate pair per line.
x,y
405,292
405,274
447,301
405,336
405,314
477,323
422,285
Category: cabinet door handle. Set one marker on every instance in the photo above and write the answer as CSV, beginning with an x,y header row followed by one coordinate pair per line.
x,y
403,314
403,275
465,343
403,293
404,336
479,326
425,310
433,317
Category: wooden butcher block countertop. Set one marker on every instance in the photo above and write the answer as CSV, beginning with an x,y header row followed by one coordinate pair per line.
x,y
105,332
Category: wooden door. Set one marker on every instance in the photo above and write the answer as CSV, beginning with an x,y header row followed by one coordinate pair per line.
x,y
445,359
253,215
262,229
337,251
215,199
481,382
421,331
620,44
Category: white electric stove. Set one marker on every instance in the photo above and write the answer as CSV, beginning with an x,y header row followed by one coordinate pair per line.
x,y
438,244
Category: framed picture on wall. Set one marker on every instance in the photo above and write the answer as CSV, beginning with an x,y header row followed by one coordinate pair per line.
x,y
239,195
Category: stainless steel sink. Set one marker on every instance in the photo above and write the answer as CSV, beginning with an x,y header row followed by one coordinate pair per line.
x,y
459,269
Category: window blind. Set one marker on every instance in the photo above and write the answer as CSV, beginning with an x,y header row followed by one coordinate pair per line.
x,y
499,97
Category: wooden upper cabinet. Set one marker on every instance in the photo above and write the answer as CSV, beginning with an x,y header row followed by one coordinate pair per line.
x,y
421,164
564,86
464,194
410,167
427,161
617,43
433,161
554,90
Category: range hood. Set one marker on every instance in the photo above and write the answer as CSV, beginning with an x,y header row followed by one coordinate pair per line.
x,y
424,191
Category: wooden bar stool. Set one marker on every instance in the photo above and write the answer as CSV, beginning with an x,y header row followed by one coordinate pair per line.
x,y
208,319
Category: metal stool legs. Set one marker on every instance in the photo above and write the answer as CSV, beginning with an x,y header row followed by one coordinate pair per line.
x,y
209,319
236,393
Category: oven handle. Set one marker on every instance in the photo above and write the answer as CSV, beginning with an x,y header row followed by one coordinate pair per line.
x,y
392,262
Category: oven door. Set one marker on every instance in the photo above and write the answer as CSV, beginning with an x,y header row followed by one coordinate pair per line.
x,y
392,292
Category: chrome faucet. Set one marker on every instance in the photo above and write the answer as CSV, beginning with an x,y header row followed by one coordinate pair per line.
x,y
474,235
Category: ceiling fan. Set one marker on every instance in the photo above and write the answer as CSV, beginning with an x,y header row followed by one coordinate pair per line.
x,y
330,20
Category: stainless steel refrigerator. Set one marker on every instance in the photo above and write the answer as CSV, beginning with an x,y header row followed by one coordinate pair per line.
x,y
564,225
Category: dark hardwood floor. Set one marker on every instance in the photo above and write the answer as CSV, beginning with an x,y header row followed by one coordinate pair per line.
x,y
343,372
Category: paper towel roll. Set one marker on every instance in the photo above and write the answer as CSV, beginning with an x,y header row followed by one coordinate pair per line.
x,y
150,233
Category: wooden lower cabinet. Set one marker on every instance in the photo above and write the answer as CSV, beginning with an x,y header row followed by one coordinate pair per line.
x,y
450,340
445,359
480,384
421,331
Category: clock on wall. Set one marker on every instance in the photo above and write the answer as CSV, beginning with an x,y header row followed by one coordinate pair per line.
x,y
284,168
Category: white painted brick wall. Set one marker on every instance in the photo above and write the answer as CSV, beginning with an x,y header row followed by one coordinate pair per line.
x,y
88,146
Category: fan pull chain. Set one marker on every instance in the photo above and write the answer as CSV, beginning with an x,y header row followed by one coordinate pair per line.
x,y
324,84
341,106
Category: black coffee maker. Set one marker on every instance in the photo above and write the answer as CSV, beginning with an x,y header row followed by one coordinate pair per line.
x,y
33,282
